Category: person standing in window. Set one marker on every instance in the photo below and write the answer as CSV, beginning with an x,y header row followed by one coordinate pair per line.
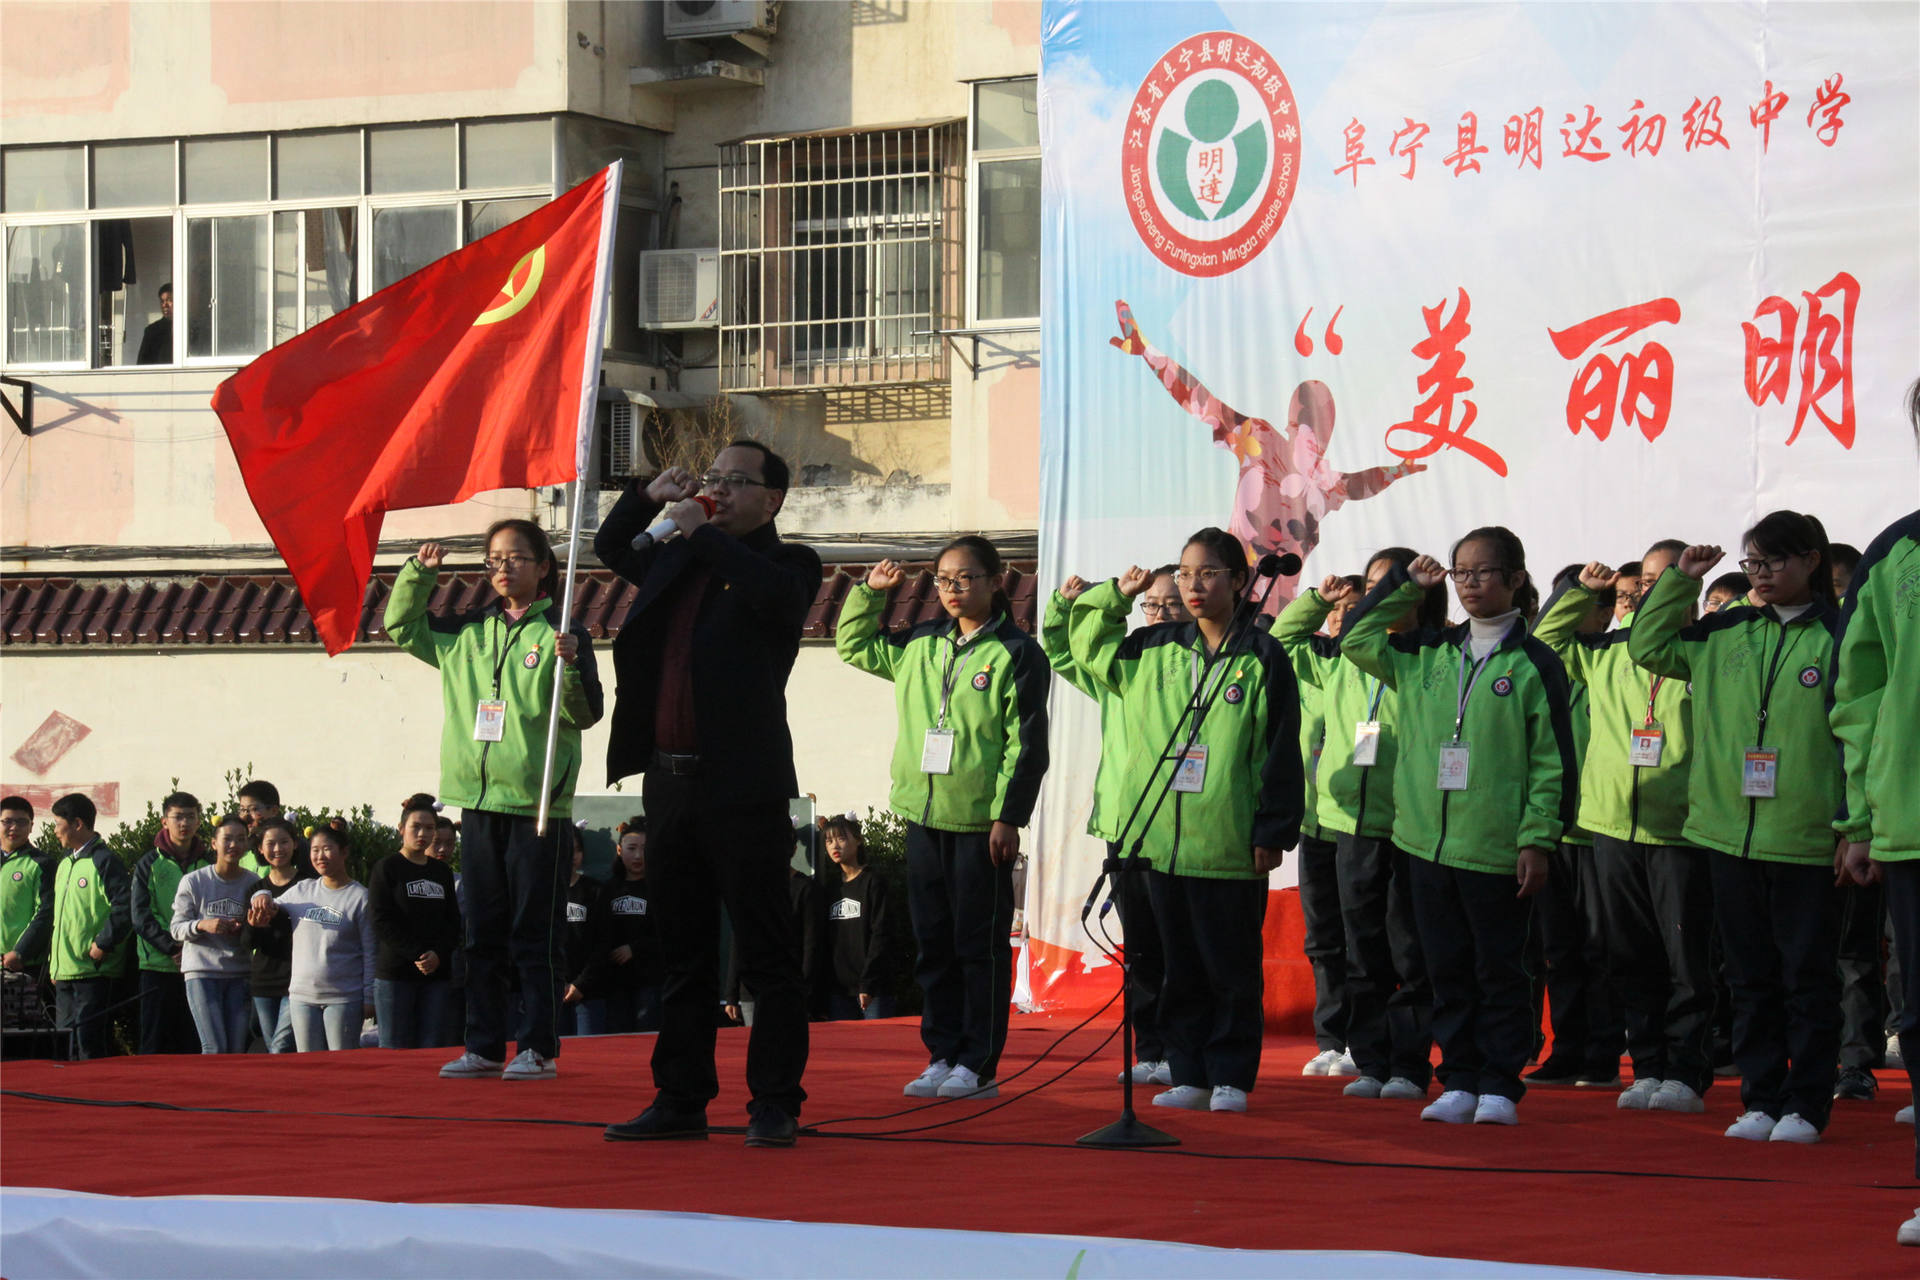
x,y
156,344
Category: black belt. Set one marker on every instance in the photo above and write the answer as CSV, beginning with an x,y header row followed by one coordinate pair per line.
x,y
679,763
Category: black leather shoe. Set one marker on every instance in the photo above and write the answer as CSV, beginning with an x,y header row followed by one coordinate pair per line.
x,y
660,1121
769,1126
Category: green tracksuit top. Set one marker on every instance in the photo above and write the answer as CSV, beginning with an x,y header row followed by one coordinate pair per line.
x,y
988,690
155,878
1252,792
26,904
1756,684
1313,740
485,656
1643,804
92,905
1521,775
1110,806
1351,799
1876,695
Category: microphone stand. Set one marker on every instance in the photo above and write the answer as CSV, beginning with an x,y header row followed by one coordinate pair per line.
x,y
1129,1130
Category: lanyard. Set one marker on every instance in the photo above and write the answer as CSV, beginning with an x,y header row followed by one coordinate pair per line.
x,y
1222,669
1652,693
1373,707
1773,673
956,667
502,649
1463,683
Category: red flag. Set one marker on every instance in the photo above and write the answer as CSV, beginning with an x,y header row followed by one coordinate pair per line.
x,y
478,372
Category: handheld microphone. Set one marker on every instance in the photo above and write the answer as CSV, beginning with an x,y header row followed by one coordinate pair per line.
x,y
1279,566
664,527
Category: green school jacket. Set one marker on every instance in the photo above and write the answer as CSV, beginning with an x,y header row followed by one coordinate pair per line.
x,y
155,878
1876,695
484,656
1110,804
1350,799
26,904
1253,793
1756,683
1313,739
1521,775
995,691
92,905
1578,714
1644,804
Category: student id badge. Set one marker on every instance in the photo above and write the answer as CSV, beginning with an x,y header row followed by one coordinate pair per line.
x,y
1191,775
1760,773
1645,745
1366,743
490,721
936,753
1453,767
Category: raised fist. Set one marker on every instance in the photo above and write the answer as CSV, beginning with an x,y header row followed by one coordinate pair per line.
x,y
885,576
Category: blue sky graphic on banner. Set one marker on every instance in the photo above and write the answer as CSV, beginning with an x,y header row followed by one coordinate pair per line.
x,y
1342,276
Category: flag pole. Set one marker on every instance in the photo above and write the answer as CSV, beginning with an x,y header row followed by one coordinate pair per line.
x,y
582,453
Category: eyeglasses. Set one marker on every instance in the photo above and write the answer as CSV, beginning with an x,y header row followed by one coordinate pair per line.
x,y
1764,568
1205,577
1154,607
508,562
731,480
1475,576
956,583
22,823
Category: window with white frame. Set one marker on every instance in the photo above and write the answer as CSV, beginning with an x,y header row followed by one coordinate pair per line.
x,y
1004,282
248,241
840,257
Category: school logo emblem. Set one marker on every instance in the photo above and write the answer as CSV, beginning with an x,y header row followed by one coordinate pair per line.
x,y
531,661
1502,687
980,681
1233,693
82,881
1211,155
17,877
1810,677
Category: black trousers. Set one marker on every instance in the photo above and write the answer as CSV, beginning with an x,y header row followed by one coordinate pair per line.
x,y
1389,1000
1587,1023
514,889
1863,984
1211,1011
1146,963
1780,924
166,1020
1656,902
1326,940
1473,931
706,849
80,1006
1901,881
962,911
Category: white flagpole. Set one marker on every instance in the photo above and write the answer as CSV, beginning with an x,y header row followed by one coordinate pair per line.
x,y
582,452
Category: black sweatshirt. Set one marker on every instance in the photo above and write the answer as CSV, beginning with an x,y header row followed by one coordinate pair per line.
x,y
414,912
587,929
630,923
273,945
858,924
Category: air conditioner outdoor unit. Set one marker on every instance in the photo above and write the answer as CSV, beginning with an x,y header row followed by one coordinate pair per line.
x,y
680,289
704,19
626,452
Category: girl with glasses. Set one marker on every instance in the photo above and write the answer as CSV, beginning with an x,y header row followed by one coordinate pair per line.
x,y
1765,785
971,693
1484,786
1232,788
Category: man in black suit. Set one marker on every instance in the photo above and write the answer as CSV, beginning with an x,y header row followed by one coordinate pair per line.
x,y
702,664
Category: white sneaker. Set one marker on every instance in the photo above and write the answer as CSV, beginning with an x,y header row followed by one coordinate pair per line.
x,y
1319,1063
1455,1106
1754,1126
1895,1061
528,1065
927,1083
1190,1096
471,1066
1344,1065
1638,1096
1910,1230
1674,1095
1141,1071
1401,1089
1792,1128
1162,1073
1494,1109
1227,1098
961,1082
1904,1115
1363,1087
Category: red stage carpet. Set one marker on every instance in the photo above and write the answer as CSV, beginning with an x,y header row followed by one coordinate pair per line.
x,y
1578,1183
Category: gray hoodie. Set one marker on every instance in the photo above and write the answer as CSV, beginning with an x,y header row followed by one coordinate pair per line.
x,y
332,942
203,895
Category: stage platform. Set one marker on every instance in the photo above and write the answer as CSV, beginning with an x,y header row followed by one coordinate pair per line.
x,y
1320,1184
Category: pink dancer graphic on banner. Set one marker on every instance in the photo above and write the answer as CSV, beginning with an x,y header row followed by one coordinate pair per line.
x,y
1286,487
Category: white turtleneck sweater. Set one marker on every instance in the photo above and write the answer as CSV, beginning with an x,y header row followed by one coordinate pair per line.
x,y
1484,634
1788,612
